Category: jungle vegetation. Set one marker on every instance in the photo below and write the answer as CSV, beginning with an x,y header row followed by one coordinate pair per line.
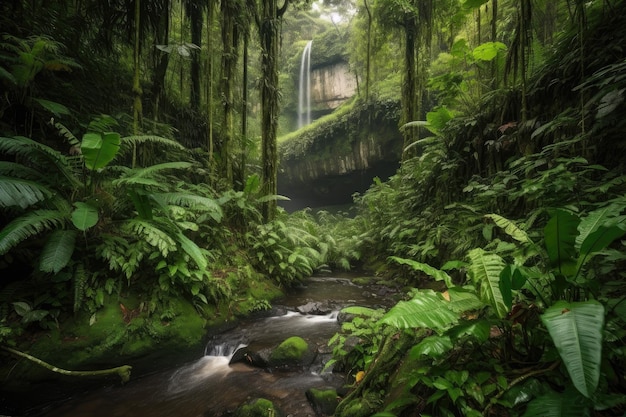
x,y
140,155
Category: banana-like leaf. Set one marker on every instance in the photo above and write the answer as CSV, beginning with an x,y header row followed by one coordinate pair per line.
x,y
560,240
426,309
479,329
485,269
464,299
576,330
84,216
553,404
99,149
510,228
22,193
437,274
57,251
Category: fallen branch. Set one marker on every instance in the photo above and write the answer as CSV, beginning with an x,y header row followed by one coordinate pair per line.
x,y
122,371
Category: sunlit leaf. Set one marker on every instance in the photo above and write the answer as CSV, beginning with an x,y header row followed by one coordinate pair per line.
x,y
426,309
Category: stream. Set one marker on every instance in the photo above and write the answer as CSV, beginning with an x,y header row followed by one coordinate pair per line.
x,y
210,386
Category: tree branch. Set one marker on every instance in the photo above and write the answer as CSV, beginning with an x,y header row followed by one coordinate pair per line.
x,y
122,371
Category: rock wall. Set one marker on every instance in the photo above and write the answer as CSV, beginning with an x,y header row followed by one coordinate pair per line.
x,y
331,85
326,166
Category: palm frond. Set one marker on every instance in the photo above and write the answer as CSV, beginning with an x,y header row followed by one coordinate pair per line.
x,y
29,225
194,201
13,169
22,193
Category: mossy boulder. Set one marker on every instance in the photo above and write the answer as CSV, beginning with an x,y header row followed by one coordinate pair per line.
x,y
259,407
291,352
324,402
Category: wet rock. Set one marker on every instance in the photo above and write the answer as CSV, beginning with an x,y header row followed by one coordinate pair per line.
x,y
294,351
324,402
259,407
249,357
315,308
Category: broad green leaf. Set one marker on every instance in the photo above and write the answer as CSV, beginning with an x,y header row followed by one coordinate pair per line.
x,y
99,149
485,271
464,299
57,251
53,107
576,330
510,228
479,329
595,219
560,239
511,278
597,241
437,274
488,51
22,308
437,119
193,251
426,309
433,346
567,404
84,216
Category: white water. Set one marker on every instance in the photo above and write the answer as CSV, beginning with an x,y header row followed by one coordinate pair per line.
x,y
304,91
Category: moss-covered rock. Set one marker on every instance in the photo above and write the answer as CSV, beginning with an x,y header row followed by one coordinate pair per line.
x,y
259,407
323,402
293,351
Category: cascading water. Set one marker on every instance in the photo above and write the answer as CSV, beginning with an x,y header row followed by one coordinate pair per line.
x,y
304,90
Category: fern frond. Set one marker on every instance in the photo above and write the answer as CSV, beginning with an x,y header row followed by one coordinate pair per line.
x,y
151,234
129,142
33,151
13,169
67,134
194,201
149,175
58,250
22,193
29,225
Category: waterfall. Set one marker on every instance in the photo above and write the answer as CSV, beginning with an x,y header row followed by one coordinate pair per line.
x,y
304,91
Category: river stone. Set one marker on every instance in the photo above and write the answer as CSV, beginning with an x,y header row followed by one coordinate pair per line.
x,y
249,357
315,308
259,407
294,351
324,402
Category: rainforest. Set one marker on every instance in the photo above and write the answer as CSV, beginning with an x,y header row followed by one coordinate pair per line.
x,y
345,208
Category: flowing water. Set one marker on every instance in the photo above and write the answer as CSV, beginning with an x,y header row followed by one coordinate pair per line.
x,y
304,90
210,386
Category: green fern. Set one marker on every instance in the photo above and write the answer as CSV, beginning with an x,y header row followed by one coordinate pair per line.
x,y
131,142
485,269
29,225
152,234
22,193
148,175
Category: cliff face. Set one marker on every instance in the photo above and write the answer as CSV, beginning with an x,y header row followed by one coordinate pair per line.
x,y
327,165
331,85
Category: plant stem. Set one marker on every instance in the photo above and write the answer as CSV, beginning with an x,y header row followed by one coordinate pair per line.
x,y
122,371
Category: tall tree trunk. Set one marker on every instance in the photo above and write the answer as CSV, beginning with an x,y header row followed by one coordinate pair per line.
x,y
227,84
369,50
161,59
194,11
269,34
209,84
409,96
241,177
137,109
